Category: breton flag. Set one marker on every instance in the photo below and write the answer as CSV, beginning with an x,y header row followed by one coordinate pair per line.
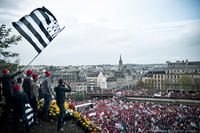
x,y
39,28
29,113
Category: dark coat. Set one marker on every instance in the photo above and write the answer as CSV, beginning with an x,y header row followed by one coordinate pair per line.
x,y
27,86
7,84
60,93
20,99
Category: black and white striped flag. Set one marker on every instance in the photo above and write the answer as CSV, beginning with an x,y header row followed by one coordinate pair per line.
x,y
29,113
39,28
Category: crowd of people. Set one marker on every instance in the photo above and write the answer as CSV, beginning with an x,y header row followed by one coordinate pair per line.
x,y
114,115
18,93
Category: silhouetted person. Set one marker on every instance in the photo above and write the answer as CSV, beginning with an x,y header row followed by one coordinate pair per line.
x,y
7,84
19,100
60,99
27,84
34,97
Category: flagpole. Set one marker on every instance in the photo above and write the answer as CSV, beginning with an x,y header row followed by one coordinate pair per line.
x,y
31,61
62,28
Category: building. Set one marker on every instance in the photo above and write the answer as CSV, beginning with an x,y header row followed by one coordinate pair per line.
x,y
167,78
92,81
121,78
155,79
179,68
81,82
96,81
111,83
76,79
101,81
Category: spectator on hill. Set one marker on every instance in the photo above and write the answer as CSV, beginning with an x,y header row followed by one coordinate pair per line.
x,y
19,83
46,93
27,84
34,97
7,85
60,99
19,100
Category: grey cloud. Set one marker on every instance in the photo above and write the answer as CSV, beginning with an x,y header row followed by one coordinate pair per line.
x,y
10,4
191,35
102,41
8,14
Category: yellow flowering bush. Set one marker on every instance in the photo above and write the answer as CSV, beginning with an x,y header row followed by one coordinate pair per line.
x,y
84,122
66,106
54,110
41,104
76,115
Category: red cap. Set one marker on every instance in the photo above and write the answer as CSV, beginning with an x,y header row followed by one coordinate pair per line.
x,y
16,87
48,74
29,72
5,71
34,75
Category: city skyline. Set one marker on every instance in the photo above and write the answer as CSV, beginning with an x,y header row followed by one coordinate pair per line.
x,y
97,32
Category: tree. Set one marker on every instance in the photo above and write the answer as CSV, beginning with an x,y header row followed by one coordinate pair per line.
x,y
6,41
52,68
78,97
186,82
197,84
140,84
166,83
149,84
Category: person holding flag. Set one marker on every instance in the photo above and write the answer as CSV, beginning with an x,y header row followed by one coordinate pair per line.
x,y
39,28
7,85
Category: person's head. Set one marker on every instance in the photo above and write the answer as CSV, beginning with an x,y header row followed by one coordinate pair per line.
x,y
47,74
29,72
35,76
6,71
60,81
19,80
16,88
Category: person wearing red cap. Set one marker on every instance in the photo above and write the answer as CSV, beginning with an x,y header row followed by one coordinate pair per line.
x,y
7,85
47,74
18,83
46,93
34,97
20,99
5,71
16,88
27,84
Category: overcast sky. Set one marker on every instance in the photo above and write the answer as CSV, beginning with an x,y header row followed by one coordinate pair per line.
x,y
98,31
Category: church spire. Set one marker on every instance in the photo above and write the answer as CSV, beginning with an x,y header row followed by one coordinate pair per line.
x,y
120,62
